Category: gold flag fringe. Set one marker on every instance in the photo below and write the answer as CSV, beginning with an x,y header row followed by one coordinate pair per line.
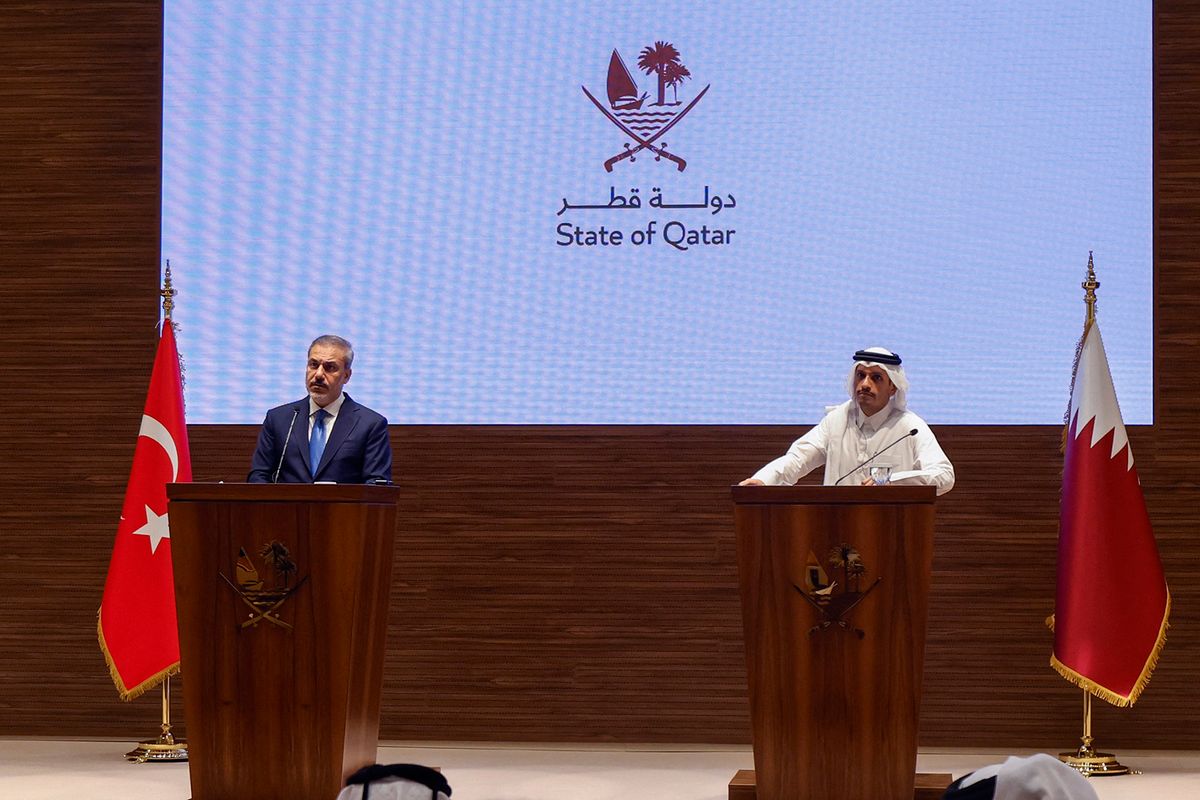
x,y
1104,693
130,693
1069,674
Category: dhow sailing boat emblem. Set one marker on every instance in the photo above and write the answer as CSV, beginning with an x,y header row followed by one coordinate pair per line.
x,y
646,123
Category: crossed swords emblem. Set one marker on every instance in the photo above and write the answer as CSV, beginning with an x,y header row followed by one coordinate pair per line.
x,y
644,142
834,609
264,609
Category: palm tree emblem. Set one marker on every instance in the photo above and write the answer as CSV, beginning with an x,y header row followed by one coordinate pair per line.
x,y
849,561
676,74
663,60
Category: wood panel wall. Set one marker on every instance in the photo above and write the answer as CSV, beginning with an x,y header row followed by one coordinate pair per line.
x,y
553,583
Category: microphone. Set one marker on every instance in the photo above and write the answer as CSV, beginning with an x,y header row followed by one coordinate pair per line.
x,y
878,453
288,438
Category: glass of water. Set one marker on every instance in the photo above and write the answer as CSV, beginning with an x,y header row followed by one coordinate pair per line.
x,y
881,474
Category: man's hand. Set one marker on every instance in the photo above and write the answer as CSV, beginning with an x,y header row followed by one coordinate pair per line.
x,y
869,481
752,482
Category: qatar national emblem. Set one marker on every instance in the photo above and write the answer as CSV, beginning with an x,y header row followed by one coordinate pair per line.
x,y
645,124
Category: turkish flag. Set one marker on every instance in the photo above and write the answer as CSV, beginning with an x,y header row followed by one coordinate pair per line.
x,y
137,615
1112,602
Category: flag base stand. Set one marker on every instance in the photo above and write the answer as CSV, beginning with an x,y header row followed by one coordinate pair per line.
x,y
1086,761
166,748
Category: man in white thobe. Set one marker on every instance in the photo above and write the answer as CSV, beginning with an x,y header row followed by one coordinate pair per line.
x,y
874,428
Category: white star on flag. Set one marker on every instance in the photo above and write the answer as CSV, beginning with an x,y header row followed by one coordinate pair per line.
x,y
155,528
137,627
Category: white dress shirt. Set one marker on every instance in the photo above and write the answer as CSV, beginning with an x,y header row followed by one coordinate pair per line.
x,y
332,410
846,437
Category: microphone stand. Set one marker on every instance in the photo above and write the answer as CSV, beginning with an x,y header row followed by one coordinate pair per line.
x,y
877,454
287,439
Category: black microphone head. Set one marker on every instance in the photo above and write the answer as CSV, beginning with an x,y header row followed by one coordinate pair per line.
x,y
913,432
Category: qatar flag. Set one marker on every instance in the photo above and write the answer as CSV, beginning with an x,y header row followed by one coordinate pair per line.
x,y
1112,603
136,623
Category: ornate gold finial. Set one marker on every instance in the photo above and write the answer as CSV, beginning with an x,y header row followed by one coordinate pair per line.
x,y
168,293
1089,291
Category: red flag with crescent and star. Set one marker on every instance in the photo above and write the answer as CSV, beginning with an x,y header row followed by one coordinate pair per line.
x,y
136,623
1112,602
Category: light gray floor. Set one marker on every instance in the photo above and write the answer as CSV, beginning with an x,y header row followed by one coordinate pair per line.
x,y
61,770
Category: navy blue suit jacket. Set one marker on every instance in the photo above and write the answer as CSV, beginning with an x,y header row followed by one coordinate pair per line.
x,y
358,449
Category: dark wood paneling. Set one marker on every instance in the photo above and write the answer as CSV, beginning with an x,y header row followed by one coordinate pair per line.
x,y
551,583
80,122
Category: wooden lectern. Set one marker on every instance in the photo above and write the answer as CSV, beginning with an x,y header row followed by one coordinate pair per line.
x,y
834,584
282,598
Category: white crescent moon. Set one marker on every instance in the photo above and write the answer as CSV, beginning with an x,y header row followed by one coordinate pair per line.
x,y
153,429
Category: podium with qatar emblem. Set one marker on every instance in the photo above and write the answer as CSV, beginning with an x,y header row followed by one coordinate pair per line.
x,y
282,597
834,585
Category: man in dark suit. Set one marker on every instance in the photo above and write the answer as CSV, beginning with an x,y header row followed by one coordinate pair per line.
x,y
326,436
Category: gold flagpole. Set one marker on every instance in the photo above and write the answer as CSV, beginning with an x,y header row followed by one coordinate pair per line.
x,y
1086,760
1089,290
166,747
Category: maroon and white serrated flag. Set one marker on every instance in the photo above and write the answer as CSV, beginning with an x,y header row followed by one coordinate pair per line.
x,y
1112,601
136,624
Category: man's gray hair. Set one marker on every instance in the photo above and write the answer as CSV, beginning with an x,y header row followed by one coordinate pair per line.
x,y
329,340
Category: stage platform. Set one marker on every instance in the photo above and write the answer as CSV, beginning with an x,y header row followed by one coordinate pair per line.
x,y
65,770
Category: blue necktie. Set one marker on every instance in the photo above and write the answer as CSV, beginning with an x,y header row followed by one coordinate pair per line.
x,y
316,441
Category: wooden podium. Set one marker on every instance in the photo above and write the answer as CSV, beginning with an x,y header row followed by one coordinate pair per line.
x,y
834,585
282,598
